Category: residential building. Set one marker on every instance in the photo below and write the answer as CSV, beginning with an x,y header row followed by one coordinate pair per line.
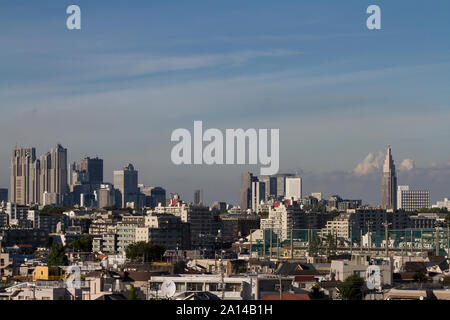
x,y
33,237
237,226
424,221
165,229
443,204
18,215
203,225
359,264
126,231
412,200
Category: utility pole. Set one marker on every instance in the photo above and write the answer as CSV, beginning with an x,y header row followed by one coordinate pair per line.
x,y
281,287
421,241
251,246
270,246
292,243
351,240
222,275
386,233
448,241
369,237
437,239
361,240
278,246
264,244
412,243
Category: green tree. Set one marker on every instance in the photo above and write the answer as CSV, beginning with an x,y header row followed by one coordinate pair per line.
x,y
352,288
146,252
314,245
57,256
331,243
132,294
84,244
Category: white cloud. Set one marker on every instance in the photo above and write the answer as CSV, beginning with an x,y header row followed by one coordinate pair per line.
x,y
369,165
406,165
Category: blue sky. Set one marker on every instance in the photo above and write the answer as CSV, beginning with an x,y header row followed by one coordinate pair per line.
x,y
140,69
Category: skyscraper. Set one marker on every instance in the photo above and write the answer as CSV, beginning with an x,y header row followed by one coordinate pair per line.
x,y
58,171
31,178
389,183
258,194
198,197
22,161
245,193
281,184
3,194
94,169
126,182
294,188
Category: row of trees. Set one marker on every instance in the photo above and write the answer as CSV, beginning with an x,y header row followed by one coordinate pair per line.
x,y
144,252
139,251
315,244
57,255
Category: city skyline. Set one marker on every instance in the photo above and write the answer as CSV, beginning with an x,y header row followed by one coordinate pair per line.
x,y
385,169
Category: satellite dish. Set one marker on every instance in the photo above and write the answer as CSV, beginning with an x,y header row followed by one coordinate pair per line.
x,y
168,289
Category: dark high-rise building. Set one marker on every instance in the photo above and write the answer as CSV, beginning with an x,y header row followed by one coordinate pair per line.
x,y
3,194
94,169
126,182
389,183
198,197
245,193
158,196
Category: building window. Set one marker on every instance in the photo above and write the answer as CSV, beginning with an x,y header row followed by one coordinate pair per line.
x,y
234,287
193,286
180,286
213,287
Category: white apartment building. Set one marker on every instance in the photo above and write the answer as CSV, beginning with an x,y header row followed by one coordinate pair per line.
x,y
203,226
412,200
359,263
282,219
339,226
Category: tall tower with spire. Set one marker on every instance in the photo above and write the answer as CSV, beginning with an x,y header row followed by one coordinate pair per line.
x,y
389,183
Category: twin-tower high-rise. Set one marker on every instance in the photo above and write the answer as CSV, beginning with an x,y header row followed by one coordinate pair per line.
x,y
42,180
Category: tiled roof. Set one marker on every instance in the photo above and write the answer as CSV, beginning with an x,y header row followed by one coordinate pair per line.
x,y
288,296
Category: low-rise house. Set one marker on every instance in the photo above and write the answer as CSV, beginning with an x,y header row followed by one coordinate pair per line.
x,y
359,264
